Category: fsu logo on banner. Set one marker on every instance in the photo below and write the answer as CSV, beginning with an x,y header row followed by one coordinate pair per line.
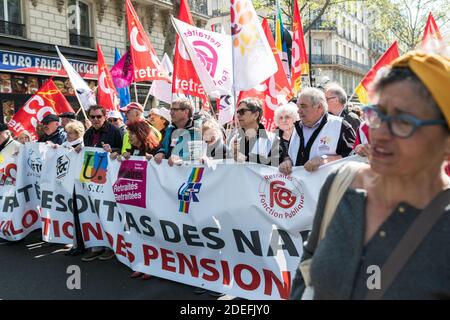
x,y
95,166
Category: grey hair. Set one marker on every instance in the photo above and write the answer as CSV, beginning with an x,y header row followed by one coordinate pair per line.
x,y
338,91
289,108
316,97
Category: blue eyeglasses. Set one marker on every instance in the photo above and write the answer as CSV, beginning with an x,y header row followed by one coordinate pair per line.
x,y
402,126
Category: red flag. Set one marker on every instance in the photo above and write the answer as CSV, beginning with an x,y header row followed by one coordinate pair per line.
x,y
146,64
431,35
363,89
274,91
47,100
185,78
107,94
299,57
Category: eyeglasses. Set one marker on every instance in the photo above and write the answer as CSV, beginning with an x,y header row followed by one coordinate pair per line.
x,y
176,109
242,111
113,119
329,98
402,126
96,117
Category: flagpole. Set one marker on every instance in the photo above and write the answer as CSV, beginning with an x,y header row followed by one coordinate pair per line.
x,y
135,92
146,98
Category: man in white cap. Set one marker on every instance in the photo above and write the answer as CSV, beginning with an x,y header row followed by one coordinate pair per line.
x,y
160,118
115,118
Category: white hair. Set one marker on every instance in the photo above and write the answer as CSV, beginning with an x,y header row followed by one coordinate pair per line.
x,y
315,96
290,109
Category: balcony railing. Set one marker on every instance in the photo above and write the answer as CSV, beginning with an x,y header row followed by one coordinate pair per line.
x,y
12,29
339,60
323,25
199,6
81,41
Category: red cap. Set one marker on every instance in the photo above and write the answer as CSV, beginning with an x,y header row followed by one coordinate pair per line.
x,y
133,105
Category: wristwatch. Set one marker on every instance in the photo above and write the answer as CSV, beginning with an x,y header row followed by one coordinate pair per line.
x,y
324,158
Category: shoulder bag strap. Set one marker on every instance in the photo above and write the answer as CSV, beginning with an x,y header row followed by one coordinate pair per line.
x,y
410,242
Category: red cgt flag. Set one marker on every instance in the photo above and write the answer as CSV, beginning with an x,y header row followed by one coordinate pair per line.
x,y
299,57
431,35
185,78
107,94
274,91
47,100
146,64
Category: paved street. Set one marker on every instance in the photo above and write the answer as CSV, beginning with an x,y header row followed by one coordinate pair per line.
x,y
32,269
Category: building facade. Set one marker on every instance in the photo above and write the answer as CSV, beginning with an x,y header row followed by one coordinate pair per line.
x,y
340,46
30,29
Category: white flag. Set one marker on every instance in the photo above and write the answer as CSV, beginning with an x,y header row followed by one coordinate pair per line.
x,y
162,90
253,60
85,95
226,109
210,54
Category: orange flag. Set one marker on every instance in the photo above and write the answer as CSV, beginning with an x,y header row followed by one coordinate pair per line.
x,y
431,35
299,57
185,78
146,64
363,89
106,91
47,100
275,90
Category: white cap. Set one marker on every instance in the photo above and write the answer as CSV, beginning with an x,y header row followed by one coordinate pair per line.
x,y
162,112
114,114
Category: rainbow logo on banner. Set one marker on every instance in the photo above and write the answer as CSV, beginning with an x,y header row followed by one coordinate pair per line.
x,y
95,166
188,191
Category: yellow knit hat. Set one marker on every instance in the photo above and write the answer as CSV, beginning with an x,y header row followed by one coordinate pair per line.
x,y
434,72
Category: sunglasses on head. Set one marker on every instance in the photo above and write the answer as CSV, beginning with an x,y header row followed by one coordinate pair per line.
x,y
96,116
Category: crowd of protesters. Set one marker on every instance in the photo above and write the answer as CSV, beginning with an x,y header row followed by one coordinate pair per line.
x,y
405,136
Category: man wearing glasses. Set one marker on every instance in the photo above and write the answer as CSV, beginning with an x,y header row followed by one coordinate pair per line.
x,y
337,105
102,134
115,118
319,137
178,133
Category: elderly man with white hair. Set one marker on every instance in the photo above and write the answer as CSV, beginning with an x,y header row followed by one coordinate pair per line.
x,y
318,137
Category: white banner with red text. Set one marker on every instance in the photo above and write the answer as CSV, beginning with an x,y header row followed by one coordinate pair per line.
x,y
230,228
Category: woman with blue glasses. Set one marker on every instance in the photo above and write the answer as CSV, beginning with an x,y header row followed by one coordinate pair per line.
x,y
389,232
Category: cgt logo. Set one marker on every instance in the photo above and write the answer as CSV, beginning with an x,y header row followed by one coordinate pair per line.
x,y
95,167
188,191
281,196
8,174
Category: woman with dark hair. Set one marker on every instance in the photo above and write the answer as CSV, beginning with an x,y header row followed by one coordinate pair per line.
x,y
143,140
383,233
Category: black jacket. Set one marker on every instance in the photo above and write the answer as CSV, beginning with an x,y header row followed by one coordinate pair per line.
x,y
108,135
351,117
57,137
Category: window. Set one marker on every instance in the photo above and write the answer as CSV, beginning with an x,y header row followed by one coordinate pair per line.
x,y
337,49
11,18
344,50
363,58
78,19
317,47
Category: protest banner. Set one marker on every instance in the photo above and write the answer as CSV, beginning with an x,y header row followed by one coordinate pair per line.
x,y
203,229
